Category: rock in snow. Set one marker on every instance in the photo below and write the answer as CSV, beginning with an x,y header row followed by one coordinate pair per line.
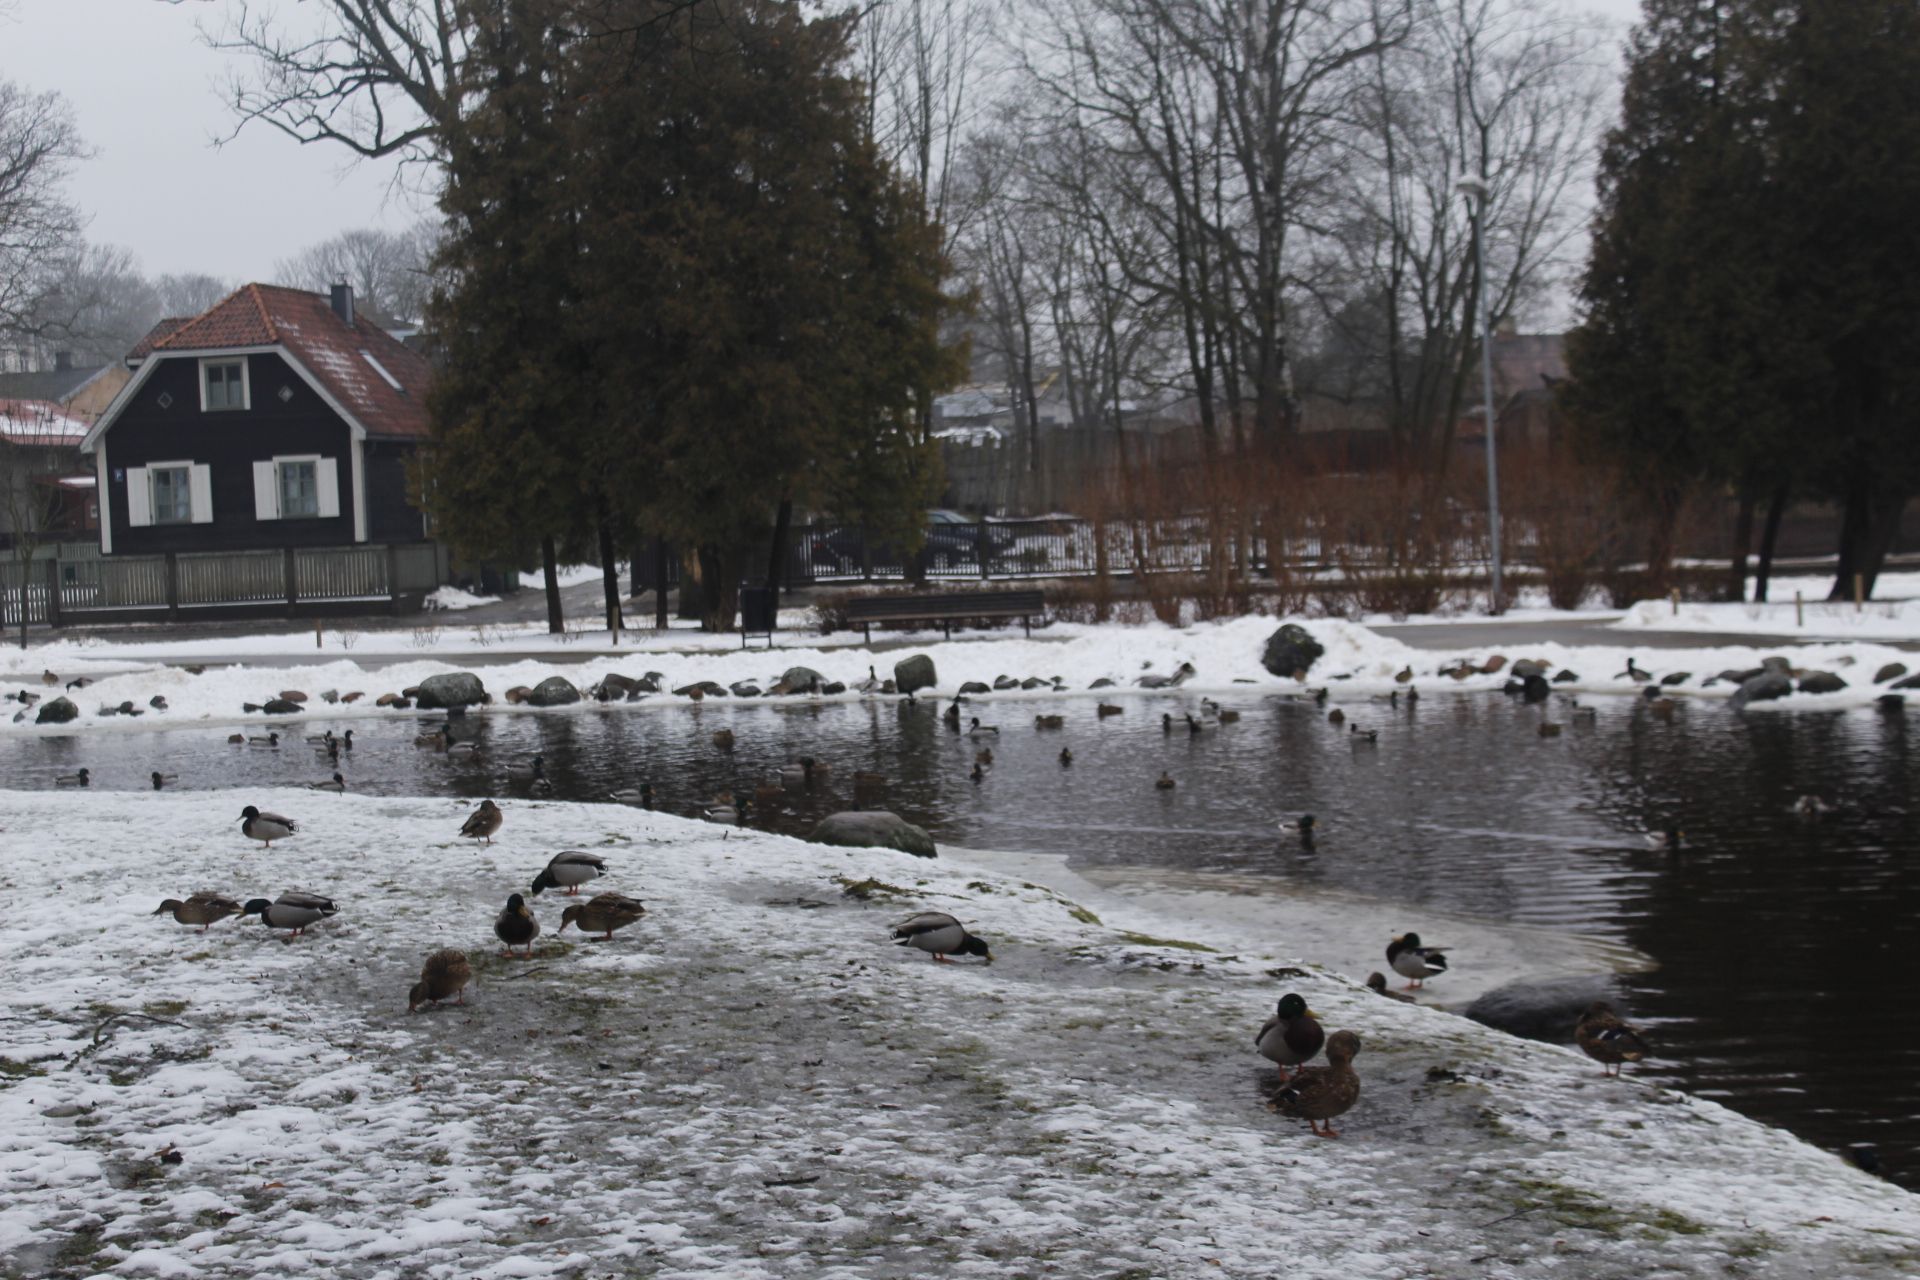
x,y
873,829
554,691
452,689
911,674
1764,687
56,711
1291,651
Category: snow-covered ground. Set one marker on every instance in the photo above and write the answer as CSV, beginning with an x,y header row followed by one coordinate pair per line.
x,y
752,1083
1226,656
452,599
1815,617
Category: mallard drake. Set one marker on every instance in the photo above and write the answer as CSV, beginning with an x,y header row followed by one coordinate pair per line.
x,y
570,869
1318,1094
84,778
534,768
161,781
641,795
951,716
265,827
1049,722
1377,983
1066,757
1406,957
1291,1036
335,784
271,739
483,822
291,910
1583,714
515,925
462,750
977,730
725,809
1607,1040
446,973
1363,737
1164,782
203,909
723,739
324,739
602,914
939,935
1639,675
1196,727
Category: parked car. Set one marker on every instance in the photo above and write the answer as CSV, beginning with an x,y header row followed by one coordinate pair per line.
x,y
953,541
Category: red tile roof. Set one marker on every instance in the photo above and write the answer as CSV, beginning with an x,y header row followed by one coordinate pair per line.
x,y
39,422
163,329
378,379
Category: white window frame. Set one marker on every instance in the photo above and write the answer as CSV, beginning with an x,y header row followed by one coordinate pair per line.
x,y
280,464
246,383
153,507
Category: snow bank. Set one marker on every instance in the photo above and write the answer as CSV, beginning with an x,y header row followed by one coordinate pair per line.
x,y
752,1083
1226,656
453,598
1883,619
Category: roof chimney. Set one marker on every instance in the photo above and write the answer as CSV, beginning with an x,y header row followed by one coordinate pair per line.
x,y
62,361
343,302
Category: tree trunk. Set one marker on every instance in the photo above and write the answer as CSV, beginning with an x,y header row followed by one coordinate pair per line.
x,y
610,580
1867,527
633,571
777,562
1742,539
720,577
1769,535
693,586
660,622
550,571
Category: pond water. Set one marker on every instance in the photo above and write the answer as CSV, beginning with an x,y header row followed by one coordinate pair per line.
x,y
1780,942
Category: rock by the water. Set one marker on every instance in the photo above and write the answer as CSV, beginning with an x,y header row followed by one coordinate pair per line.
x,y
1534,687
1677,677
745,689
282,707
1529,667
707,688
614,687
329,695
1543,1008
1033,682
832,687
1777,664
1821,682
1291,651
451,689
292,695
1005,682
910,674
648,683
798,680
554,691
974,686
58,711
1911,682
1492,665
1762,688
873,829
1566,675
516,695
1892,671
1102,683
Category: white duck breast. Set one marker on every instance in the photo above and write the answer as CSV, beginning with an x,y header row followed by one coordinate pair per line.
x,y
931,931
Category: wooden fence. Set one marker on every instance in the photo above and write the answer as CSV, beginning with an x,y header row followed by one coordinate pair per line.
x,y
67,589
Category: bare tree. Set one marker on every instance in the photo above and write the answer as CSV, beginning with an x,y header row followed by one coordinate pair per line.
x,y
390,271
29,504
39,229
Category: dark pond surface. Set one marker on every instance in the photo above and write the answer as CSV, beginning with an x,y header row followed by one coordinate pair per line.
x,y
1782,943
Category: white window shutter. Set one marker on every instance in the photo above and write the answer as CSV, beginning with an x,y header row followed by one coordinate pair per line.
x,y
326,478
139,497
200,490
266,491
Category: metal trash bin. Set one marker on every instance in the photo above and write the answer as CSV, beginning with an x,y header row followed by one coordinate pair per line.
x,y
757,614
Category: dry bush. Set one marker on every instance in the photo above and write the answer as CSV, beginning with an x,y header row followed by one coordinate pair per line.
x,y
1396,543
1563,515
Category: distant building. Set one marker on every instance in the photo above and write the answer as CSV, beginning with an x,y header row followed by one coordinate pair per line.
x,y
44,486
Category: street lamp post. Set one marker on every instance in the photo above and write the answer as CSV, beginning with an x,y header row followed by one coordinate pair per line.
x,y
1476,192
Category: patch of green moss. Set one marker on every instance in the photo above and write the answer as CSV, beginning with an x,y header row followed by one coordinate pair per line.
x,y
1081,914
11,1070
1178,944
164,1008
1678,1223
869,889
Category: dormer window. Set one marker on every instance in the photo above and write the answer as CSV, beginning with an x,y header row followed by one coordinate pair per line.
x,y
223,384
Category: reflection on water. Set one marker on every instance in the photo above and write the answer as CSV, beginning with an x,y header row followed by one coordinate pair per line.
x,y
1779,939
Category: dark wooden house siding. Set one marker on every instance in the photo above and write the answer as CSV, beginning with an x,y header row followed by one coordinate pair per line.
x,y
390,517
276,423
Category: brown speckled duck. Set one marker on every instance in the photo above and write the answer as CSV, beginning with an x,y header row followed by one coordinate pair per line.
x,y
1603,1037
203,909
602,914
445,974
1318,1094
483,822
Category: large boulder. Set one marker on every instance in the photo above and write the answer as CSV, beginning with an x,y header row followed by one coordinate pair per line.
x,y
614,687
1534,687
799,680
554,691
974,686
705,688
873,829
282,707
451,689
1530,667
744,689
914,673
1892,671
1291,651
59,711
1764,687
1542,1008
1005,682
1821,682
1911,682
1777,665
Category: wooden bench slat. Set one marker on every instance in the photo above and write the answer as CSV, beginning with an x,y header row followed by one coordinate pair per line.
x,y
981,604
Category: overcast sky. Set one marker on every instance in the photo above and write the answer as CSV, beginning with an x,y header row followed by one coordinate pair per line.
x,y
146,92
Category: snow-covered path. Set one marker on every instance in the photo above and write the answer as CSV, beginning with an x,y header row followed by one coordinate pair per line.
x,y
752,1083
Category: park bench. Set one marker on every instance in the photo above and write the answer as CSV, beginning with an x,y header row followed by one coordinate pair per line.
x,y
867,610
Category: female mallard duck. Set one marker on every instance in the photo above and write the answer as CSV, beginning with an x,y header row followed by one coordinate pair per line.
x,y
602,914
1607,1040
1414,962
265,827
1291,1036
984,756
570,869
446,973
1318,1094
335,784
1102,710
1336,717
203,909
161,781
951,716
1049,722
1164,782
483,822
1377,983
515,926
1639,675
528,772
84,778
939,935
723,739
291,910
